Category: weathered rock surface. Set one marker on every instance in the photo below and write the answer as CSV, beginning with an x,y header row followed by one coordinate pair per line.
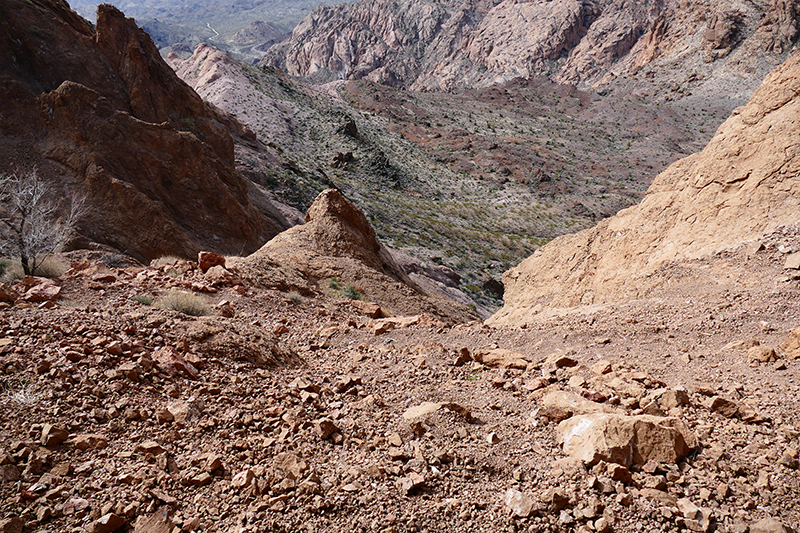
x,y
740,187
337,242
433,46
101,115
626,440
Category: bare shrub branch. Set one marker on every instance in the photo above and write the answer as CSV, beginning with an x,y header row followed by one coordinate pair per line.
x,y
30,227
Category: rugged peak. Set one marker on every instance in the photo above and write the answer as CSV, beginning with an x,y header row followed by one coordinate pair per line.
x,y
741,186
436,45
338,242
101,114
342,221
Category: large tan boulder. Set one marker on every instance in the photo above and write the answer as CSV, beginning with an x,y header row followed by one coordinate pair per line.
x,y
741,186
626,440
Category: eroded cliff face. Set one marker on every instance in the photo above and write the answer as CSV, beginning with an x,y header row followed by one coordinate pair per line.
x,y
428,45
742,185
100,114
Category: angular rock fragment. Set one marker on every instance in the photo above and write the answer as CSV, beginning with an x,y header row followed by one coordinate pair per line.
x,y
86,441
500,358
107,523
626,440
791,345
410,482
519,503
762,354
53,436
206,260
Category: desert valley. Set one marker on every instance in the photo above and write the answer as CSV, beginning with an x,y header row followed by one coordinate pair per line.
x,y
400,266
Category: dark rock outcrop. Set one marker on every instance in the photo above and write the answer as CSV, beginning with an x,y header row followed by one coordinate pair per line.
x,y
100,114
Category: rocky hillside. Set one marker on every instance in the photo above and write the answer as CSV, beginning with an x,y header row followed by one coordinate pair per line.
x,y
337,250
707,47
100,114
273,411
245,28
741,188
472,181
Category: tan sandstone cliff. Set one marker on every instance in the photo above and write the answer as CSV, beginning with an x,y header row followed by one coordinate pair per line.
x,y
742,185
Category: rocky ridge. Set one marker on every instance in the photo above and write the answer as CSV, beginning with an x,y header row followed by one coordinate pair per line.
x,y
337,247
738,190
101,115
702,47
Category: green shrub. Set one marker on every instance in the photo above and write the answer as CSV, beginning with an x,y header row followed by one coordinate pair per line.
x,y
352,293
334,284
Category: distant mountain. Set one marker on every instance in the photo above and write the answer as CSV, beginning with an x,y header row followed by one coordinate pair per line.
x,y
245,28
704,47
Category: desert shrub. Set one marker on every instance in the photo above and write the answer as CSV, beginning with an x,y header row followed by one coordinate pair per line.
x,y
52,267
295,297
334,284
112,260
144,299
352,293
13,270
183,302
25,395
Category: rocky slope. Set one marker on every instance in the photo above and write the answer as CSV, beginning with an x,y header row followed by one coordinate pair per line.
x,y
100,114
705,46
472,181
283,413
337,249
740,188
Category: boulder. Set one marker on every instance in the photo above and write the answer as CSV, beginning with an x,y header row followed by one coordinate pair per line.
x,y
206,260
574,404
626,440
500,358
791,345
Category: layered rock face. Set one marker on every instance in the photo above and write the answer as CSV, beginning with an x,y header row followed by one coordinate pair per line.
x,y
100,114
741,186
428,45
337,242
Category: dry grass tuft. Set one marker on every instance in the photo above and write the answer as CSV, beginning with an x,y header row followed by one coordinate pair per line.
x,y
184,302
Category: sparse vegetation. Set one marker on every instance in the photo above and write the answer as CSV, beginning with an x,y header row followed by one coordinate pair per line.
x,y
51,267
295,297
144,299
33,226
352,293
26,395
183,302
